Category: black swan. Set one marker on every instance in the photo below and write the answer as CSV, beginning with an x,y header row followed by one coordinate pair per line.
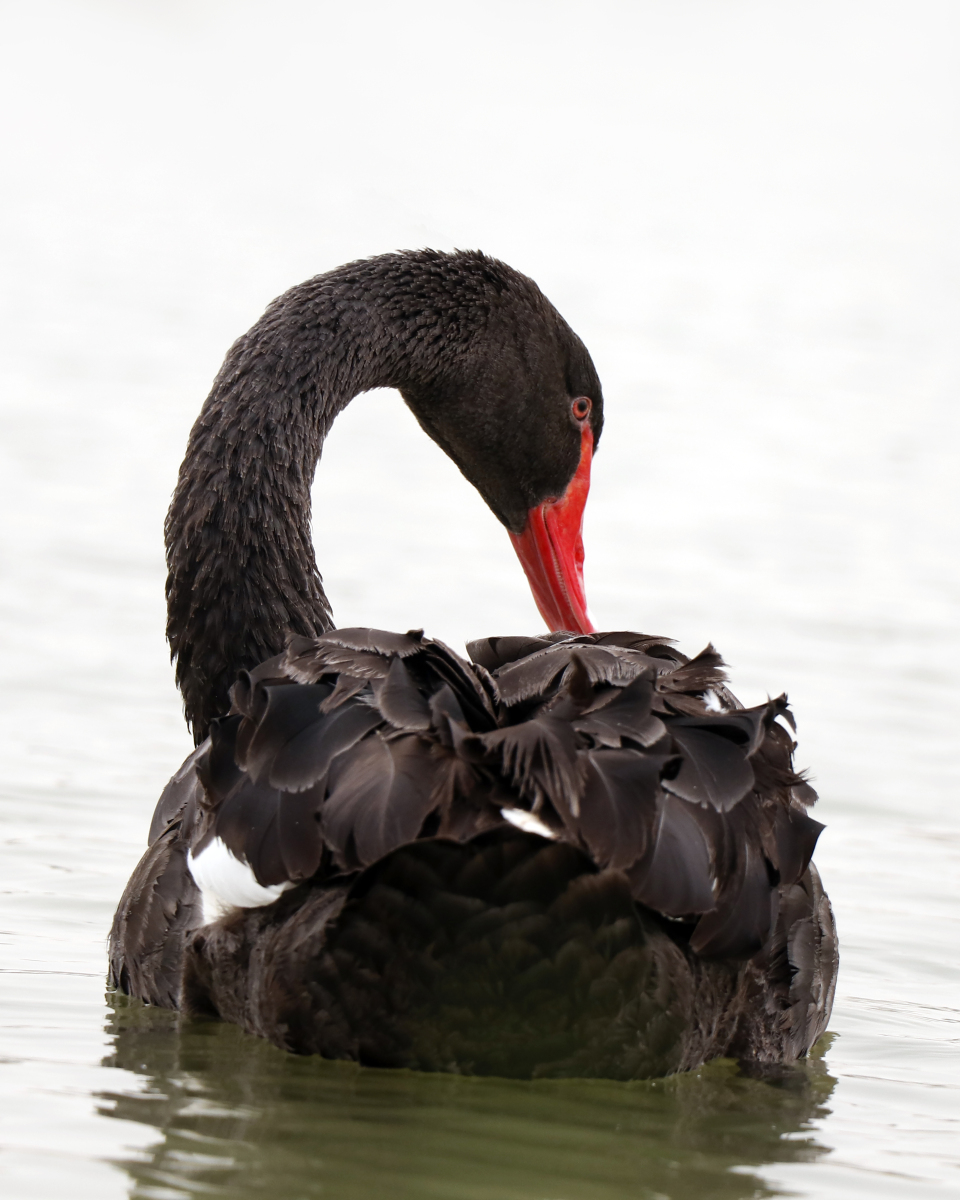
x,y
576,854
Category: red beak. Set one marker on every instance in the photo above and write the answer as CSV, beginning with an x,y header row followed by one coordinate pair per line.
x,y
550,550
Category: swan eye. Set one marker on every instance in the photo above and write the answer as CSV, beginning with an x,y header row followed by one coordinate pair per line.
x,y
581,407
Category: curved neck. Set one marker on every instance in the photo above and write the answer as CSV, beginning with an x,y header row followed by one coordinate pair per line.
x,y
484,361
241,569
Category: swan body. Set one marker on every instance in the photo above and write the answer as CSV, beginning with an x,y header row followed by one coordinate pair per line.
x,y
571,854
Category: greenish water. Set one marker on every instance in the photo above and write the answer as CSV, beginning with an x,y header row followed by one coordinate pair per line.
x,y
246,1120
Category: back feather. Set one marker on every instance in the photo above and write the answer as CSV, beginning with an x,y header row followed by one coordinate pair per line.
x,y
355,743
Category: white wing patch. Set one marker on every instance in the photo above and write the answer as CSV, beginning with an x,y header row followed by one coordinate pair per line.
x,y
225,882
528,822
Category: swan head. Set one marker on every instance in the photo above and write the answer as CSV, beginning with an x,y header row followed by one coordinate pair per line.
x,y
506,388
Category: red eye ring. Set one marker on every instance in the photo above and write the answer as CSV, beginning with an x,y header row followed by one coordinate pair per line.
x,y
581,407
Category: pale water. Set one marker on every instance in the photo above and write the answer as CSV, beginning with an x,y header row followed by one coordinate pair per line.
x,y
749,212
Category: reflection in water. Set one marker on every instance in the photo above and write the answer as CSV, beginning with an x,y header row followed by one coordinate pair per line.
x,y
243,1119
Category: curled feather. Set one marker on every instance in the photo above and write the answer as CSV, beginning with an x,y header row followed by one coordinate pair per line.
x,y
401,702
352,744
379,799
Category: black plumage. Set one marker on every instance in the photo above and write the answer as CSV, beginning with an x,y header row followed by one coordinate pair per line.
x,y
707,874
570,854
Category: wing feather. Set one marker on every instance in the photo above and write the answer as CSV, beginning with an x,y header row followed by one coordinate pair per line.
x,y
298,831
246,822
712,770
676,876
619,808
703,671
624,713
289,710
496,652
306,758
352,744
743,920
380,795
401,702
539,757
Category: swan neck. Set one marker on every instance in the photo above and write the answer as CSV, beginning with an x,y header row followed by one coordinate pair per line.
x,y
241,571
